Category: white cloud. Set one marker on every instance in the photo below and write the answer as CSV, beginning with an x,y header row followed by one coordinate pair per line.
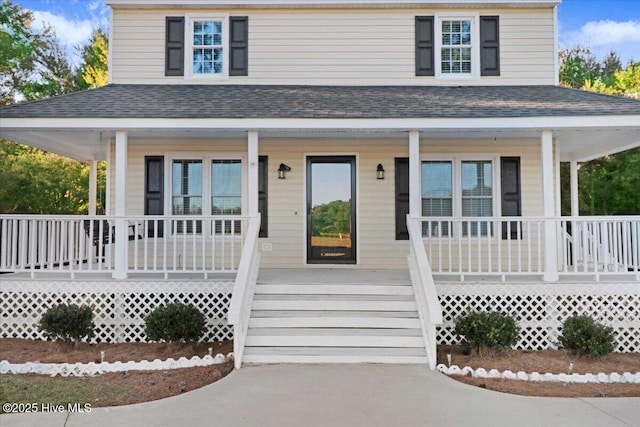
x,y
74,32
70,33
605,36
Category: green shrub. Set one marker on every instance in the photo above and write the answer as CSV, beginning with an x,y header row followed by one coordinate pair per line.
x,y
586,336
175,322
484,331
68,322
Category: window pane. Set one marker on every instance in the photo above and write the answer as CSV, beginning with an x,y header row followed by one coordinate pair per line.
x,y
207,60
226,187
437,179
186,187
476,178
477,207
437,195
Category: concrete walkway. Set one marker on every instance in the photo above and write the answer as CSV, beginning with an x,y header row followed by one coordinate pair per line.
x,y
347,395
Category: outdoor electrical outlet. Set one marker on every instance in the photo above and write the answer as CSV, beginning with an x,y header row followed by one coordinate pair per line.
x,y
267,247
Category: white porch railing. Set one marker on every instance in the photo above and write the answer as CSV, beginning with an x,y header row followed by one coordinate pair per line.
x,y
429,308
155,244
243,290
600,246
516,245
484,245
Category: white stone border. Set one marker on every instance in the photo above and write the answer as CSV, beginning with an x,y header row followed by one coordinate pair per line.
x,y
92,368
601,378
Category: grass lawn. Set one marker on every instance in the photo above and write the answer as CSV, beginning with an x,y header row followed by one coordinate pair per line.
x,y
58,391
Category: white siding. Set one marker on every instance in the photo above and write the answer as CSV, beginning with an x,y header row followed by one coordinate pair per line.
x,y
377,247
325,46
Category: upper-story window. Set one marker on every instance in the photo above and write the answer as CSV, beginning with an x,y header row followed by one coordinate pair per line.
x,y
455,53
207,47
457,46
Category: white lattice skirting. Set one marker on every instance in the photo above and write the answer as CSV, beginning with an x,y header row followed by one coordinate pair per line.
x,y
541,308
119,306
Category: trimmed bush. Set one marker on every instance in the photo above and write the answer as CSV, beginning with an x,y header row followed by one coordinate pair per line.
x,y
487,331
175,322
584,335
68,322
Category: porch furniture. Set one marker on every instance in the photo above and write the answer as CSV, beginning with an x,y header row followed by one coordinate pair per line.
x,y
103,234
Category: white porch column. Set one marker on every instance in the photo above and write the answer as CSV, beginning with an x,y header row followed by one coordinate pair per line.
x,y
107,190
121,237
550,235
575,205
252,151
414,174
93,184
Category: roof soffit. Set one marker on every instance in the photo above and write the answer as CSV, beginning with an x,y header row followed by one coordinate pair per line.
x,y
261,4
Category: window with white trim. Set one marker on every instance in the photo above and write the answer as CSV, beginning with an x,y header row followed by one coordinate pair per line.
x,y
455,57
207,46
211,185
458,188
457,51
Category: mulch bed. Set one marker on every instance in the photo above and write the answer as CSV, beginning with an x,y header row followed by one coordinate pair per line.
x,y
546,361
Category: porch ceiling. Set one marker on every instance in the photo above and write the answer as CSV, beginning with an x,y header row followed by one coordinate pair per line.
x,y
86,144
80,125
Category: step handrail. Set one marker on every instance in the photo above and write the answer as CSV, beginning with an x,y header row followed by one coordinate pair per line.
x,y
429,308
243,290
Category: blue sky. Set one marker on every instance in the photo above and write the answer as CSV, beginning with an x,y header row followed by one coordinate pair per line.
x,y
602,25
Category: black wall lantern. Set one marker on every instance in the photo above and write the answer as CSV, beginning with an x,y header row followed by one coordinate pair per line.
x,y
380,171
282,170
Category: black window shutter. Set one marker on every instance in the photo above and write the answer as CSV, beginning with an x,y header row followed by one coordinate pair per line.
x,y
263,189
402,197
239,46
511,194
425,46
174,51
489,46
154,190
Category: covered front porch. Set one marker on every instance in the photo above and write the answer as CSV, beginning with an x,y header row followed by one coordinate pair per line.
x,y
495,221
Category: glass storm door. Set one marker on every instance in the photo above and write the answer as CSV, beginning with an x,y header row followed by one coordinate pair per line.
x,y
331,225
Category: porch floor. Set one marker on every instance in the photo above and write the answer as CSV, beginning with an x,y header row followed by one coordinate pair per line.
x,y
316,275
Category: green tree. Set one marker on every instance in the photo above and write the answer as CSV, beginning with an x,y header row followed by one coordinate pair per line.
x,y
578,65
52,73
93,71
609,185
33,66
622,82
17,45
33,181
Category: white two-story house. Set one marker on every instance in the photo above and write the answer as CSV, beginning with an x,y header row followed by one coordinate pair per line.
x,y
348,175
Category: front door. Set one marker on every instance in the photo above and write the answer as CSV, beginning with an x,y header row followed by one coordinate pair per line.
x,y
331,214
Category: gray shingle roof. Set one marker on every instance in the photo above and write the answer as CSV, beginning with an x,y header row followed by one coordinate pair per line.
x,y
249,101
